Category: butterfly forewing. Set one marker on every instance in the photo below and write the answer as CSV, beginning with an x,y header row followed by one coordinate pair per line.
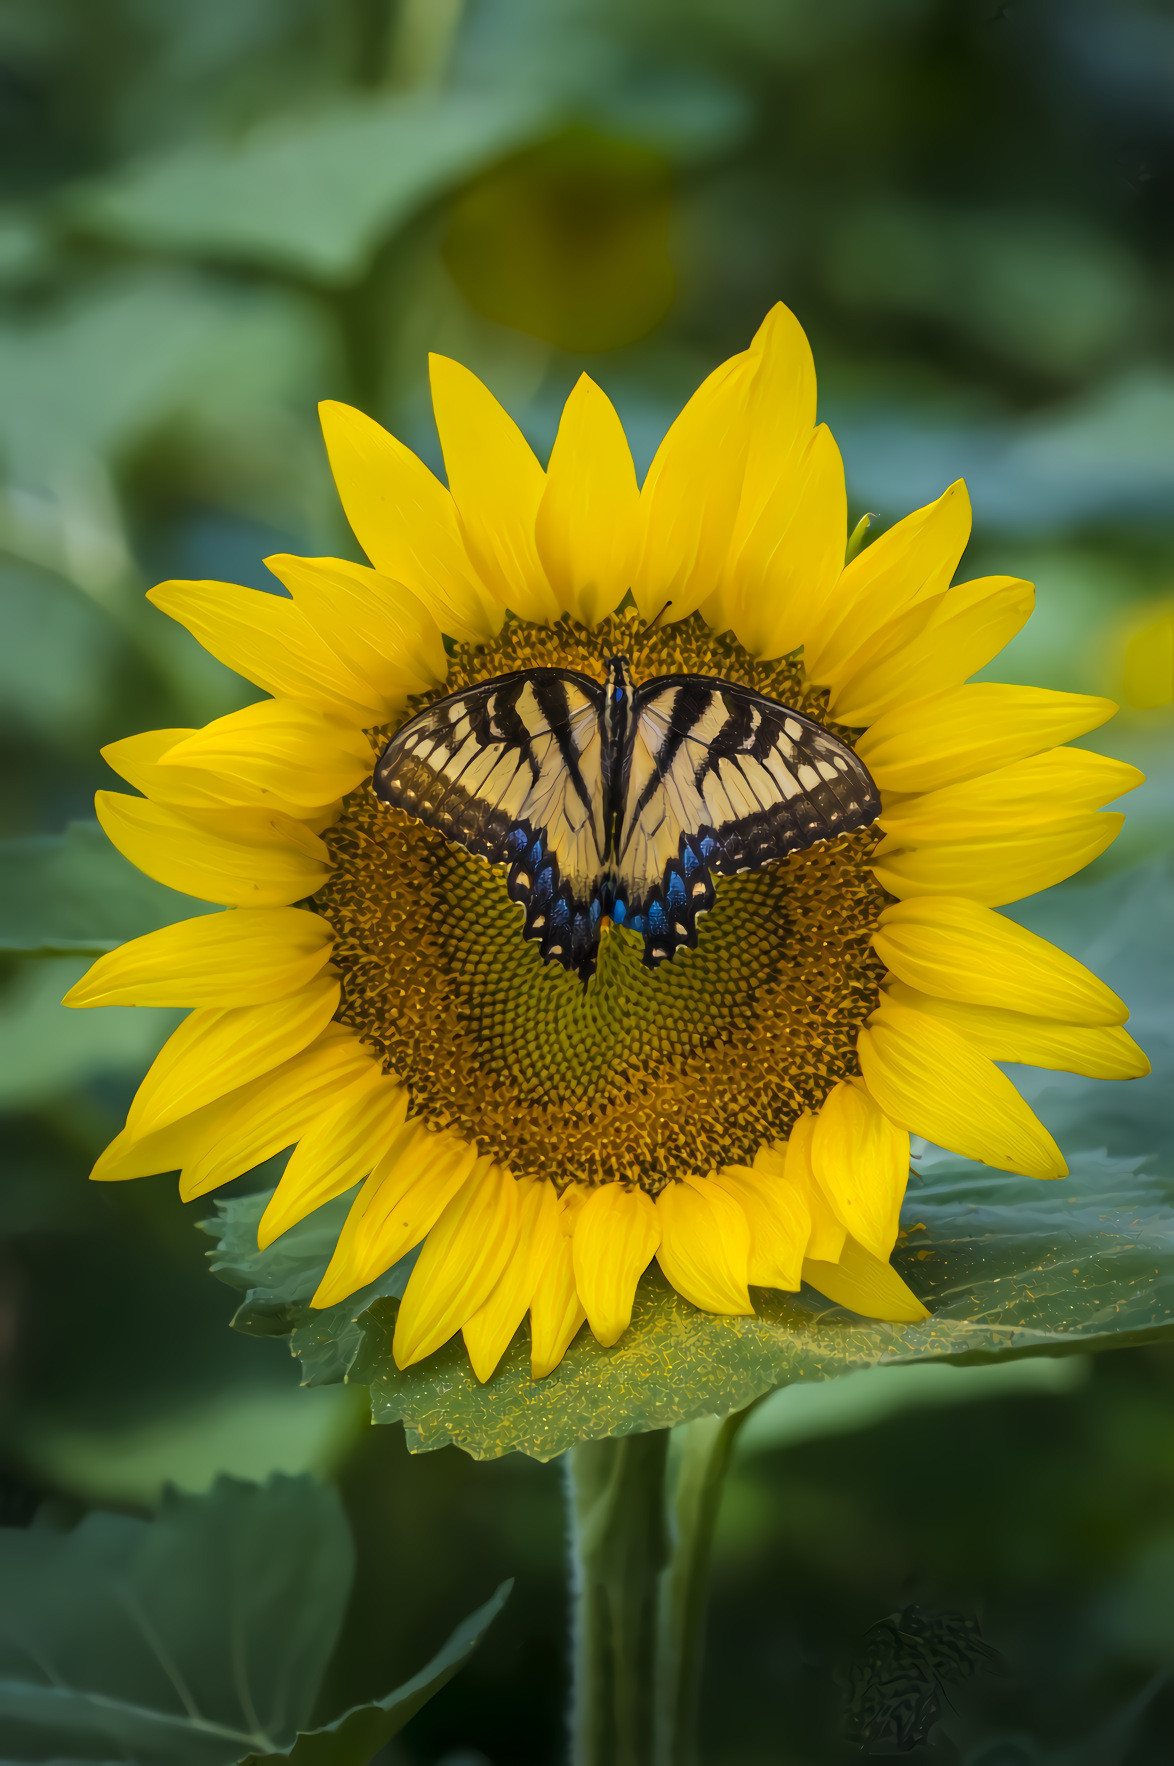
x,y
722,780
513,770
598,815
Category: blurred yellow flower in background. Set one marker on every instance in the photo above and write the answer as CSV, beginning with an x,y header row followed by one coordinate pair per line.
x,y
741,1114
568,241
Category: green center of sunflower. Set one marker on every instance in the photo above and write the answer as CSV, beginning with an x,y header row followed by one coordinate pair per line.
x,y
641,1075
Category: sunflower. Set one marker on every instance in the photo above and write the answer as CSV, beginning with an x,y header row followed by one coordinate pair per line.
x,y
742,1113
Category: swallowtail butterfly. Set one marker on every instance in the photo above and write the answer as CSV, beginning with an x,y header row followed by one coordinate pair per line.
x,y
621,800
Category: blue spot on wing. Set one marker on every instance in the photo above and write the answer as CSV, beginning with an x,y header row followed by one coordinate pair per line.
x,y
658,920
676,890
619,913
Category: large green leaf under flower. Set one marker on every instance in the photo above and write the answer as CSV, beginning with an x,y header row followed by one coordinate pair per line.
x,y
1004,1269
1006,1265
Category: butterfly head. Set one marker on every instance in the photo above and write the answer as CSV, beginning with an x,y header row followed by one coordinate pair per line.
x,y
619,681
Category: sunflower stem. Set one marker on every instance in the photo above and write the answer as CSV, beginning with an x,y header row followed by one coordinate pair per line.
x,y
642,1514
619,1546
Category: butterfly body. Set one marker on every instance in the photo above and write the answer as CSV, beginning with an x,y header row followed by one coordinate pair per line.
x,y
621,800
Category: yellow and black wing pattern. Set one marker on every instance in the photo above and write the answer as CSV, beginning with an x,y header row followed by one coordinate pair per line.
x,y
719,780
619,801
513,770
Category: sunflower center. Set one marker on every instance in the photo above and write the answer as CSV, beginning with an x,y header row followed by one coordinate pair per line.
x,y
641,1075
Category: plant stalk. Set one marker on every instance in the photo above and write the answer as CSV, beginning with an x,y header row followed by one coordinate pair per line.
x,y
642,1511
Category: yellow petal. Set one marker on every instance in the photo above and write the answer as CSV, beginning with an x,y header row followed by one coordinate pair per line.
x,y
960,950
243,958
221,1140
497,486
463,1257
689,500
932,1081
215,1050
400,1202
489,1331
780,413
257,858
793,1159
704,1246
616,1233
912,562
405,521
585,527
998,870
861,1163
1046,787
969,730
383,632
1099,1052
263,1118
340,1149
136,759
865,1285
269,641
279,748
779,1220
965,629
787,540
556,1311
782,571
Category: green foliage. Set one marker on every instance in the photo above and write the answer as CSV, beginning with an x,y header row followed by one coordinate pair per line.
x,y
74,892
1005,1270
197,1639
311,194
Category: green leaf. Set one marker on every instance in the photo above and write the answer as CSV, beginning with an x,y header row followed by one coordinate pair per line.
x,y
192,1640
47,1048
57,657
1007,1266
355,1737
71,892
197,1639
314,194
101,369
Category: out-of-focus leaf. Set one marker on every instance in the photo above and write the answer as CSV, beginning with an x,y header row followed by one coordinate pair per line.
x,y
1107,454
61,893
197,1639
193,1640
249,1430
47,1048
1039,288
355,1737
1007,1266
313,193
98,371
56,657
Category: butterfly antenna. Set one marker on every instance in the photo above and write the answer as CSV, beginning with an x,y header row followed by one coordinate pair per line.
x,y
653,623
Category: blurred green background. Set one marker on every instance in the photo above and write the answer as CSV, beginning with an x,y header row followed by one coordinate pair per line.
x,y
211,216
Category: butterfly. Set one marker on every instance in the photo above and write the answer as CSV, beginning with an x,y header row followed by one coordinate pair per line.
x,y
621,800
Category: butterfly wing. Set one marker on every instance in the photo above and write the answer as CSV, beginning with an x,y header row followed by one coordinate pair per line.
x,y
513,770
720,780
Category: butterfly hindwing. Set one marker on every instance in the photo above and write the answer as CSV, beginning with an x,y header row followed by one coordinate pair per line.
x,y
627,816
513,769
722,780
